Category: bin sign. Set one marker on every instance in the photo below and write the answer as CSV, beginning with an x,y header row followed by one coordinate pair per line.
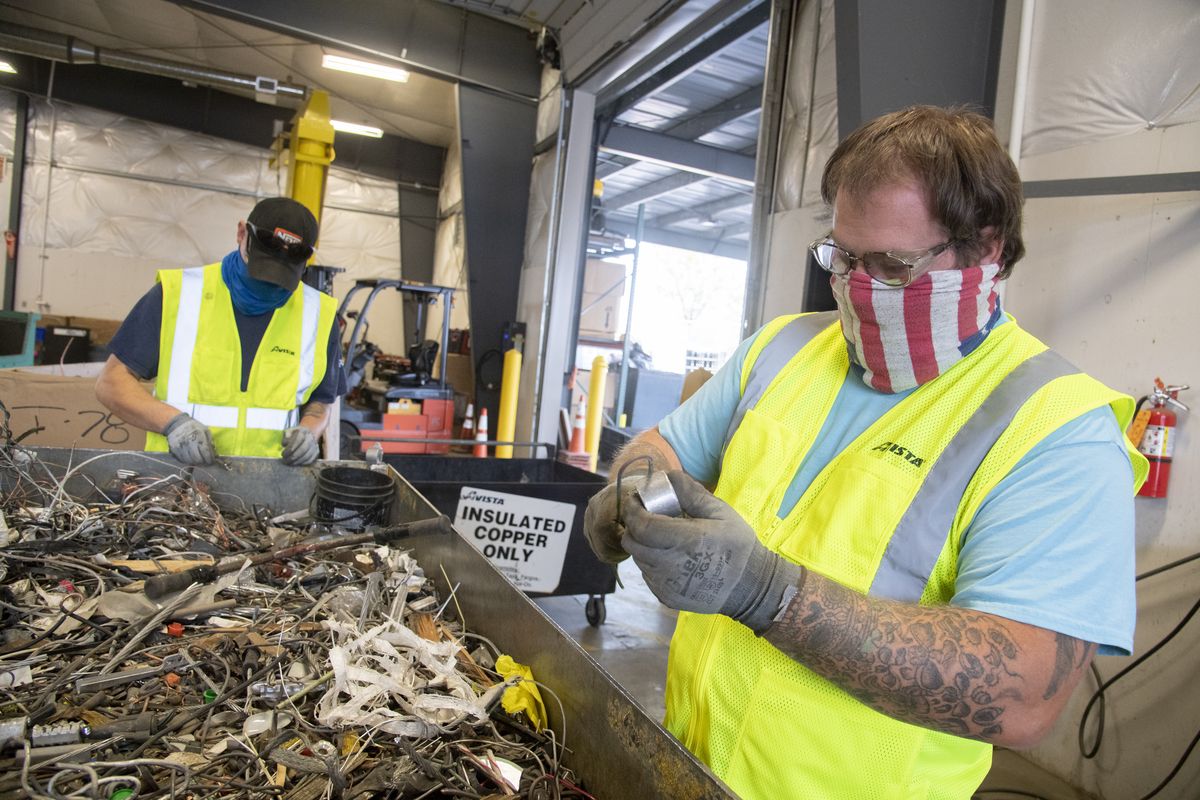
x,y
524,537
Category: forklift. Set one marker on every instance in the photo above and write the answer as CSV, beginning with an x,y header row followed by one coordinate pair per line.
x,y
403,399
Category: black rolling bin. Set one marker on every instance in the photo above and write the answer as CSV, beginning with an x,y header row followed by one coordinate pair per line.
x,y
445,480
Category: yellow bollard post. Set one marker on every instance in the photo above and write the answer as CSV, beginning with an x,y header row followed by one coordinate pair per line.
x,y
595,409
506,424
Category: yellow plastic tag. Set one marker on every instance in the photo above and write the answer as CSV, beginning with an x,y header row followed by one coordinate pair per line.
x,y
524,696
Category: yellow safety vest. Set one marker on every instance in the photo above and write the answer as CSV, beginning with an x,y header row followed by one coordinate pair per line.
x,y
885,517
200,361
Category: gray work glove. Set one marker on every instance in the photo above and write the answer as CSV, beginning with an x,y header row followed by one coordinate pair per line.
x,y
709,561
300,446
190,441
601,525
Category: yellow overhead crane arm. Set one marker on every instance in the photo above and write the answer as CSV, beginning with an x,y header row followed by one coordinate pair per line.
x,y
307,152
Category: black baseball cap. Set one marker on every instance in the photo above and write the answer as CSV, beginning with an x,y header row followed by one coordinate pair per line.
x,y
280,237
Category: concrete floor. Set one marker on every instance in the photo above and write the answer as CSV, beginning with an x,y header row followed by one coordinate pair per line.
x,y
632,646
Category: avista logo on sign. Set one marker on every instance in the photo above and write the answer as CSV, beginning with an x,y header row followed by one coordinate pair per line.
x,y
524,537
478,497
278,349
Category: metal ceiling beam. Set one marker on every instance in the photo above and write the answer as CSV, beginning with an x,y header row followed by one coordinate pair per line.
x,y
422,35
694,126
684,241
659,148
651,190
725,112
618,164
717,40
696,212
210,111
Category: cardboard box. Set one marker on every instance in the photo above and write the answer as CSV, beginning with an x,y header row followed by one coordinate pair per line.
x,y
55,406
603,290
460,373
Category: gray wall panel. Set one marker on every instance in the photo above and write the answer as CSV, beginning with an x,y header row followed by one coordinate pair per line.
x,y
497,162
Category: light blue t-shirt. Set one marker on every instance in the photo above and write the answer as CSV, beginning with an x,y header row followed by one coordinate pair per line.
x,y
1052,545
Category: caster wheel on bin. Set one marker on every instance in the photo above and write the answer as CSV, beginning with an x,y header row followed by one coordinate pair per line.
x,y
594,609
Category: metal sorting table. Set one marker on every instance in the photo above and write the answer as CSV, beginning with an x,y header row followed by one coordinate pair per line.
x,y
443,479
615,749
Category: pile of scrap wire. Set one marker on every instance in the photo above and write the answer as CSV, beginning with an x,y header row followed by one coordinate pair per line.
x,y
332,672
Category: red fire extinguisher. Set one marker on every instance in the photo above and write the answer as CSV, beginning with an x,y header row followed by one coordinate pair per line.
x,y
1157,441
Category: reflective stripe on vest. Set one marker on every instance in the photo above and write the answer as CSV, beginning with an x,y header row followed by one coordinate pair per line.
x,y
308,344
273,419
789,341
212,416
918,538
187,327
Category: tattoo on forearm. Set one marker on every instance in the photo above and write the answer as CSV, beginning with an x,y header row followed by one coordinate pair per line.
x,y
1070,654
945,668
313,410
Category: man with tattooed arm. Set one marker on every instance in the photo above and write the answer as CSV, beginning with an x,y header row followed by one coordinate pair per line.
x,y
920,524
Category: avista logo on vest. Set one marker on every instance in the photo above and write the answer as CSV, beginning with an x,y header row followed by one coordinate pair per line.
x,y
278,349
908,455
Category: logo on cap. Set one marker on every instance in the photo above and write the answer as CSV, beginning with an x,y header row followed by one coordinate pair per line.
x,y
287,236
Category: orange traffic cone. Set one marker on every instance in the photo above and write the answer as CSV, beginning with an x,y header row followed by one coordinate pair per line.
x,y
481,435
577,430
468,427
577,455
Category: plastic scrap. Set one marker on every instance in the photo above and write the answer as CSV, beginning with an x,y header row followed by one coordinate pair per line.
x,y
522,697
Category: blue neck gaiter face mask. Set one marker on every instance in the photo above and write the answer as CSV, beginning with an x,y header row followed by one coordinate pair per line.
x,y
250,296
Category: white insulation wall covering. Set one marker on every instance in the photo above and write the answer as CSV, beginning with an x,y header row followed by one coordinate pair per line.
x,y
8,122
549,104
125,198
449,250
1106,68
808,136
8,127
532,300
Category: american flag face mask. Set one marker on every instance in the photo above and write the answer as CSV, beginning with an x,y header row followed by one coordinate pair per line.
x,y
903,337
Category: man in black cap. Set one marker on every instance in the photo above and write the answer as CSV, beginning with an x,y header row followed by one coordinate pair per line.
x,y
245,358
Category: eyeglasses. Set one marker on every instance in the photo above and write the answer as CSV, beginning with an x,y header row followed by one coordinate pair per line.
x,y
889,268
278,241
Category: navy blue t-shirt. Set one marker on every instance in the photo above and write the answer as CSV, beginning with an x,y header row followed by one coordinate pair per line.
x,y
136,345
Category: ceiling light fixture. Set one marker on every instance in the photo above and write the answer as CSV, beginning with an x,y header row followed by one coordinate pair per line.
x,y
354,127
367,68
7,67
